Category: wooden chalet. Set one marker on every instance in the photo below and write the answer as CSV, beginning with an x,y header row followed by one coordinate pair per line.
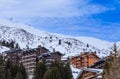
x,y
13,55
89,73
84,59
40,50
50,57
29,58
100,63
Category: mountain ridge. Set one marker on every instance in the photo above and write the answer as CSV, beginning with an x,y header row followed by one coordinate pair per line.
x,y
28,36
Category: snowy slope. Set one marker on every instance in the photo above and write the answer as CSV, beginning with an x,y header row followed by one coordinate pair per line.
x,y
2,48
101,44
27,36
118,44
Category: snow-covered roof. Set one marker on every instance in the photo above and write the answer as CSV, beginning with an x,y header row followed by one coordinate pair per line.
x,y
48,54
12,51
98,71
85,53
75,71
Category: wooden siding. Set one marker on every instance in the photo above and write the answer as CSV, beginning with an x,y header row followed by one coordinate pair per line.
x,y
84,60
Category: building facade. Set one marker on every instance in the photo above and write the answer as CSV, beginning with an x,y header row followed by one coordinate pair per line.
x,y
28,57
84,59
13,55
50,57
101,63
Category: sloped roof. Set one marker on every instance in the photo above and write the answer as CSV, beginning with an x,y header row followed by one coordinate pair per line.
x,y
48,54
12,51
34,49
86,53
98,71
98,62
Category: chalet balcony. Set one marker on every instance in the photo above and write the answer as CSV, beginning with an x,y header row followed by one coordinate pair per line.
x,y
29,63
29,60
33,55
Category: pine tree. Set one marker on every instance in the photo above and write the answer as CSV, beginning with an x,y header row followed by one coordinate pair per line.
x,y
112,66
87,45
22,71
3,42
115,51
2,72
64,69
52,74
19,76
67,72
8,74
17,46
59,42
1,60
56,70
8,64
11,44
47,74
14,70
40,70
10,70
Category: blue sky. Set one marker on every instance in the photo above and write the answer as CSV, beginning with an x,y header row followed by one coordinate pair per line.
x,y
94,18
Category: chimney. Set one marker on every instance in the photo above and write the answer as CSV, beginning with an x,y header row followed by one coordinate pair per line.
x,y
39,46
53,49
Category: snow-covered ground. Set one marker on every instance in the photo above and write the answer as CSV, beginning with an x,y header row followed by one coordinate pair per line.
x,y
30,76
26,35
2,48
75,71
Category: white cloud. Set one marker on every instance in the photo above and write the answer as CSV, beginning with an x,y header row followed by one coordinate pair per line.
x,y
7,4
48,8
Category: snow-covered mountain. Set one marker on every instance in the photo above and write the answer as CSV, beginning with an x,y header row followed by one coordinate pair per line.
x,y
27,36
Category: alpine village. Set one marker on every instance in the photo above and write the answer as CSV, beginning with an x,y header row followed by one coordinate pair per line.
x,y
40,63
24,55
